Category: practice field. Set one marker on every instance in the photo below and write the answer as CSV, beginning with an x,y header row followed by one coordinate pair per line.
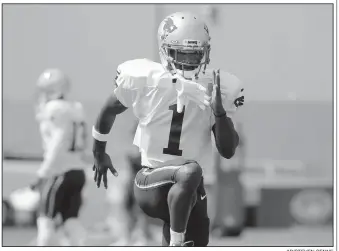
x,y
18,174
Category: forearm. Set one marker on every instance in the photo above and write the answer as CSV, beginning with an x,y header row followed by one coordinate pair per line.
x,y
51,157
226,137
105,121
47,165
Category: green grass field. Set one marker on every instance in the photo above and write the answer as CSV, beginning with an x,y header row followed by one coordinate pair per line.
x,y
18,174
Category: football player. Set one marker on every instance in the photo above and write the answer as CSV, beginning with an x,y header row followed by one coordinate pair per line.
x,y
178,104
126,221
61,177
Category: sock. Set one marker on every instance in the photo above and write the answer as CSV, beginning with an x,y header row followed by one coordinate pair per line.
x,y
46,231
176,237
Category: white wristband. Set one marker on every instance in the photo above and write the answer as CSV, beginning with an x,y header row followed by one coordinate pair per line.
x,y
98,136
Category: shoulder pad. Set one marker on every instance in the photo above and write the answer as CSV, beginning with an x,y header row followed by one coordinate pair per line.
x,y
232,89
230,85
134,73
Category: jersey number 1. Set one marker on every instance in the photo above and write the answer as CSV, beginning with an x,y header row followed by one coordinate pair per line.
x,y
175,132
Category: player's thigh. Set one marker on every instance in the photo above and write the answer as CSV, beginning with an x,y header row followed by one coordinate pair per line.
x,y
72,199
152,185
151,189
51,196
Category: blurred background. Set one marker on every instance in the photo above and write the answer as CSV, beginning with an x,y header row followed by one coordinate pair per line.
x,y
277,190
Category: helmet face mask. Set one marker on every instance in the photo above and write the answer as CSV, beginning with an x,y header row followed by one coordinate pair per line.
x,y
187,60
184,44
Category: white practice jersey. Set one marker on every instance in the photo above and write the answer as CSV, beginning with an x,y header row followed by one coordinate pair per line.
x,y
163,134
63,132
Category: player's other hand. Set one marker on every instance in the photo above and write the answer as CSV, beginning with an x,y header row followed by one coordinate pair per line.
x,y
190,90
102,163
216,104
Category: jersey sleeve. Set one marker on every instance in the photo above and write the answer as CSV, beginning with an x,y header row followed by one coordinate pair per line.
x,y
126,87
232,94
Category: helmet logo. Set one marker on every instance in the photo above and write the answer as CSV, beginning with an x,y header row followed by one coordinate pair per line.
x,y
168,28
47,75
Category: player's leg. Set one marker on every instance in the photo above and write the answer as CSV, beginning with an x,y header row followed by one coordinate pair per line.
x,y
182,198
169,193
47,211
198,223
72,201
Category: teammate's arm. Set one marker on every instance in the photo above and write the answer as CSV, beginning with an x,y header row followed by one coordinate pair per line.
x,y
226,137
54,149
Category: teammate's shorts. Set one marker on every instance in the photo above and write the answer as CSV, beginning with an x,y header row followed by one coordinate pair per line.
x,y
62,194
151,190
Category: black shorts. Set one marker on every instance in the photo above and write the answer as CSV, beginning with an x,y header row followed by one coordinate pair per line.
x,y
151,189
62,194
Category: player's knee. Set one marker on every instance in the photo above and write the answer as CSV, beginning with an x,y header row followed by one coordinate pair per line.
x,y
46,230
190,175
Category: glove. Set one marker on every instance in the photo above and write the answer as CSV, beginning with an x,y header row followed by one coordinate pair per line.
x,y
190,90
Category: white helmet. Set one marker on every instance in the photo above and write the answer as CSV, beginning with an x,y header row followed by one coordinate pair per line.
x,y
53,84
184,44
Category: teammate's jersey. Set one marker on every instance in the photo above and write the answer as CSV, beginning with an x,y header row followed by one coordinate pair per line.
x,y
62,128
163,134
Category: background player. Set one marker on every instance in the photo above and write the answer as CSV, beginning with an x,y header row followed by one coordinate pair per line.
x,y
126,220
137,229
178,103
61,176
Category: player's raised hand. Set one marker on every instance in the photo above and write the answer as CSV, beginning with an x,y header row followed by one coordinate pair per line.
x,y
102,163
187,89
216,104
